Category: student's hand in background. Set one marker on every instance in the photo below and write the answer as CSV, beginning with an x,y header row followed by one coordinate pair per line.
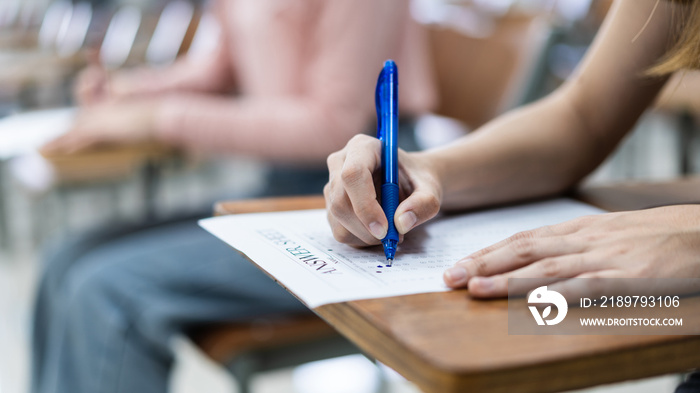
x,y
112,123
355,215
92,86
655,243
95,85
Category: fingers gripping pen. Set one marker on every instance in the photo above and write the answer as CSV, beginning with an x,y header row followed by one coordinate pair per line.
x,y
386,100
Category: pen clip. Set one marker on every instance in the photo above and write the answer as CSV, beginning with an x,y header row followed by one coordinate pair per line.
x,y
379,91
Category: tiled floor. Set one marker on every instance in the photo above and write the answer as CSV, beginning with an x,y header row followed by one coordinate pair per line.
x,y
194,373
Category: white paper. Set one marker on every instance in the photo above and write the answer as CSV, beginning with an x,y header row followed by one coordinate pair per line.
x,y
297,248
26,133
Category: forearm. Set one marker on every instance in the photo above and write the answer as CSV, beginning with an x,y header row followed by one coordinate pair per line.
x,y
287,130
518,156
549,146
181,76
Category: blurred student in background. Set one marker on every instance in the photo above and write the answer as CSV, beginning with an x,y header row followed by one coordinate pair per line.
x,y
303,73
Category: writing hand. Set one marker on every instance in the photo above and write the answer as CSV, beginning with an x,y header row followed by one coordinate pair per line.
x,y
661,242
355,215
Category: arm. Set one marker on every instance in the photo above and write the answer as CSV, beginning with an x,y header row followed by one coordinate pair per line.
x,y
549,146
538,150
314,90
96,86
122,110
602,102
212,73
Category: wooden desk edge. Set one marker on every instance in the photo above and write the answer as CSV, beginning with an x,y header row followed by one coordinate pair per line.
x,y
614,197
349,321
564,374
106,164
269,205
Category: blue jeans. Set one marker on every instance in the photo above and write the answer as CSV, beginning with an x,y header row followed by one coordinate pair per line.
x,y
691,384
110,304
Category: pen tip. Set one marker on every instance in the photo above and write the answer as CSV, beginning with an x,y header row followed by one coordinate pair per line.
x,y
389,261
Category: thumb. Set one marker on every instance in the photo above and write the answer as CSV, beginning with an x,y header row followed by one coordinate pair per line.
x,y
419,207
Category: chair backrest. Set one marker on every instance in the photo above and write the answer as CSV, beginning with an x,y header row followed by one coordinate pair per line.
x,y
73,31
9,10
57,15
205,37
481,76
20,21
31,13
65,27
13,12
120,36
169,36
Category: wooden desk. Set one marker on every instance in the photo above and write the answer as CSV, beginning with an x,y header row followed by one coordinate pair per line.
x,y
106,164
448,342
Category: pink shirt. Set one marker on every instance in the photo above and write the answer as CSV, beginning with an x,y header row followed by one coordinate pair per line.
x,y
305,71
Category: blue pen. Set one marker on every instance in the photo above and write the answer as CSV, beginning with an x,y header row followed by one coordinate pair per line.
x,y
387,102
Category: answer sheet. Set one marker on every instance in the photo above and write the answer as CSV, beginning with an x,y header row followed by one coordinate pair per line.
x,y
297,248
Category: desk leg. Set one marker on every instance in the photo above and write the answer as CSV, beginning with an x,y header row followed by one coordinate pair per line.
x,y
243,370
151,179
686,128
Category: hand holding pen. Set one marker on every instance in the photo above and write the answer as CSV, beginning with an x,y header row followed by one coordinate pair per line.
x,y
354,212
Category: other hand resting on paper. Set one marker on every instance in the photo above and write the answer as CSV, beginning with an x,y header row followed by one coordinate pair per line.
x,y
661,242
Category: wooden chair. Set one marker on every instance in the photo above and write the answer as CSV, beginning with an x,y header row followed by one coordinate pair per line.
x,y
120,36
172,34
35,74
480,77
19,21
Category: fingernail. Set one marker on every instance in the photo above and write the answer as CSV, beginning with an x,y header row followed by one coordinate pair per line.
x,y
484,283
464,261
406,222
456,275
377,230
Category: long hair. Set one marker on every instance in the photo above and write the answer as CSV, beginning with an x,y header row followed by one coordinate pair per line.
x,y
686,52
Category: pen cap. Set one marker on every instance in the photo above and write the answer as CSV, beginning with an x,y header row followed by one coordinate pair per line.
x,y
387,104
